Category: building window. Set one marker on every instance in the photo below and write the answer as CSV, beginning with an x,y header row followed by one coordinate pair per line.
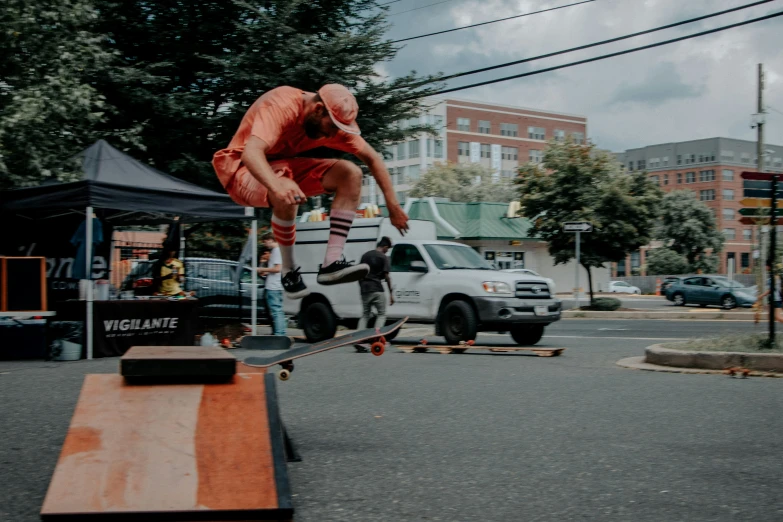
x,y
439,149
558,135
414,172
728,175
728,195
413,149
636,260
486,150
707,175
402,151
509,153
679,159
436,120
536,156
463,124
744,157
654,163
707,195
508,174
679,178
484,127
726,155
536,133
777,163
745,260
621,268
728,233
389,152
642,164
747,234
728,213
666,161
579,137
655,179
690,177
630,166
665,179
509,129
463,148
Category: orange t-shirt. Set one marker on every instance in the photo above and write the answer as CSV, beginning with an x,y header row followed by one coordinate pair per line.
x,y
277,118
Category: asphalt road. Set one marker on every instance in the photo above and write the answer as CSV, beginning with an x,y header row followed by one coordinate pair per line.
x,y
479,436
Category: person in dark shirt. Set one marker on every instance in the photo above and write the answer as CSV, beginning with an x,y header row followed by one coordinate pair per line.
x,y
372,285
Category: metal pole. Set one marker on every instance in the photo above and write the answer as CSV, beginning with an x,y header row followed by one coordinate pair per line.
x,y
576,269
772,248
254,276
88,273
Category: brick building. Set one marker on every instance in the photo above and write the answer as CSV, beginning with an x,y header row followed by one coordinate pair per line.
x,y
497,136
711,168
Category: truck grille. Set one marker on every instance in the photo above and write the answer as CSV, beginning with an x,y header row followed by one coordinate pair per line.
x,y
526,290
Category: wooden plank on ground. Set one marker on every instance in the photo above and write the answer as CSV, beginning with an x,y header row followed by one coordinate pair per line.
x,y
447,349
172,452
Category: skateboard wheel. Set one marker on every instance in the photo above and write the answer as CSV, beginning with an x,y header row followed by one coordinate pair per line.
x,y
423,341
377,348
470,342
283,375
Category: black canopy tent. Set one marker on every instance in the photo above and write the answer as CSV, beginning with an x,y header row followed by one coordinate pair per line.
x,y
121,191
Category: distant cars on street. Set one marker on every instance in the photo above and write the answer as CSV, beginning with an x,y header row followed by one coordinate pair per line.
x,y
711,291
621,287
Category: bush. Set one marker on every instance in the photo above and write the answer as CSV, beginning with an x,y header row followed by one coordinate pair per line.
x,y
605,304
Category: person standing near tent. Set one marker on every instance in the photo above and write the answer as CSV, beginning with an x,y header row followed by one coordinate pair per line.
x,y
263,166
273,287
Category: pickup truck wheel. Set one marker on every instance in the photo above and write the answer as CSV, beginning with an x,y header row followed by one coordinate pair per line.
x,y
458,322
527,334
318,322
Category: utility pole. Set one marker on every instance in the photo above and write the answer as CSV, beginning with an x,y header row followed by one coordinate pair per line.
x,y
773,207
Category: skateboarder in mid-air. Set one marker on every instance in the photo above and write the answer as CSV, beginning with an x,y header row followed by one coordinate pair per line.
x,y
263,166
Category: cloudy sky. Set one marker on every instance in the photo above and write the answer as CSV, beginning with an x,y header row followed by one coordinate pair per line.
x,y
698,88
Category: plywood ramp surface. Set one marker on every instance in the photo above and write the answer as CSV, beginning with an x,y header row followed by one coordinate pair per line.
x,y
171,452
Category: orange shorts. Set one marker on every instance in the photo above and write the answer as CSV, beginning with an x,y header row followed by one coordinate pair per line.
x,y
308,173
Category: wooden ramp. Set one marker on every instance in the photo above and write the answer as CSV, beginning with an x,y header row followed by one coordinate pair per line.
x,y
178,452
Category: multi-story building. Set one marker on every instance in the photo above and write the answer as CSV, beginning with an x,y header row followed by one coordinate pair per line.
x,y
497,136
710,168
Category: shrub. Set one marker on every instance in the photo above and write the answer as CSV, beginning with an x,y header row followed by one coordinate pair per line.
x,y
605,304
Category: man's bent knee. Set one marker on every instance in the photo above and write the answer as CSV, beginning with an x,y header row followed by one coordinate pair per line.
x,y
344,176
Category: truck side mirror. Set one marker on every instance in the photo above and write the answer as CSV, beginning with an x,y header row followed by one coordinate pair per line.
x,y
419,266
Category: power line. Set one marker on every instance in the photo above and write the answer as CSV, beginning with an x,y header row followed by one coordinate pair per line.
x,y
422,7
774,109
602,42
492,21
387,3
611,55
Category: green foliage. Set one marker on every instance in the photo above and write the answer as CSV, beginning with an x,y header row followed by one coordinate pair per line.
x,y
665,261
462,182
689,228
168,81
579,183
605,304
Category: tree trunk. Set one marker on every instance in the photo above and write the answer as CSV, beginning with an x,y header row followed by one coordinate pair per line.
x,y
590,283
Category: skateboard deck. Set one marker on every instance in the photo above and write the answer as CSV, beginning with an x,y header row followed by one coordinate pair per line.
x,y
265,342
462,348
286,359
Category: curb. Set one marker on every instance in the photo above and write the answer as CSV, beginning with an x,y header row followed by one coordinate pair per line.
x,y
764,362
692,316
638,363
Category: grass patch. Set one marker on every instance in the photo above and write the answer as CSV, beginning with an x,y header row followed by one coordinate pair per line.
x,y
755,343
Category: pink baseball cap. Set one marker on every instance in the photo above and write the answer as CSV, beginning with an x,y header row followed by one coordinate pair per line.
x,y
342,107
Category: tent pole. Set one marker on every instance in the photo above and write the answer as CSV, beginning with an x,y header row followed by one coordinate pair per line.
x,y
88,263
254,275
182,242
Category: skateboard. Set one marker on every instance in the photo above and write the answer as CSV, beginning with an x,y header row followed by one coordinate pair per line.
x,y
463,346
285,360
733,372
266,342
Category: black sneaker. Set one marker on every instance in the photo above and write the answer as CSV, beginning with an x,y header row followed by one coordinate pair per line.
x,y
342,271
293,286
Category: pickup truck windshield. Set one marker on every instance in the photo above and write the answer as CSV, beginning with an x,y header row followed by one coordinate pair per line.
x,y
453,257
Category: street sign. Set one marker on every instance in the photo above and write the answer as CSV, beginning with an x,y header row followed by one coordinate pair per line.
x,y
754,220
761,176
759,203
760,212
577,226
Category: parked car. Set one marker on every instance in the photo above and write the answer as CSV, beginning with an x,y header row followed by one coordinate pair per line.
x,y
669,281
212,280
621,287
533,273
711,290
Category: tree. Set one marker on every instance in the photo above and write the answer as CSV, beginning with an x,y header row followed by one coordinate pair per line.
x,y
665,261
579,183
689,228
463,182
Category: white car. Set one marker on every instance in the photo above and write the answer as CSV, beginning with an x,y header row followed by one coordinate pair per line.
x,y
549,281
621,287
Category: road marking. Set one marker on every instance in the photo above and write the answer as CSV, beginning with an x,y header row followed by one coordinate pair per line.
x,y
613,329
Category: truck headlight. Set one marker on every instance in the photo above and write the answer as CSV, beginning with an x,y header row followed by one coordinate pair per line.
x,y
496,287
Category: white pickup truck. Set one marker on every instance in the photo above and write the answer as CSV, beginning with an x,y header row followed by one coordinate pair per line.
x,y
438,282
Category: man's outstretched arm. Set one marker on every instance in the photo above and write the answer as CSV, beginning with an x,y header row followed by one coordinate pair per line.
x,y
374,162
